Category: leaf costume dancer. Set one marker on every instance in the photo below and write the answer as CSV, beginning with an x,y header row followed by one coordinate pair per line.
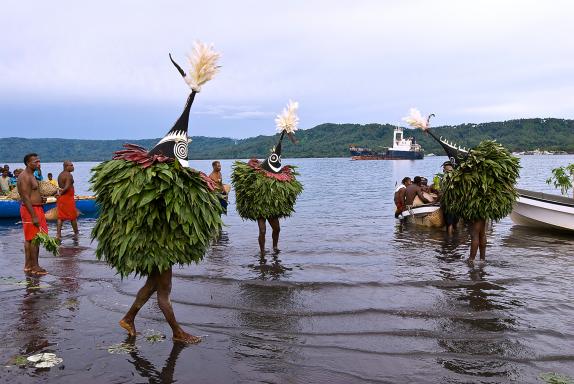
x,y
154,211
482,185
264,191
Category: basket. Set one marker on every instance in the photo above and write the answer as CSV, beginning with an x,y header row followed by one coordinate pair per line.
x,y
435,219
47,189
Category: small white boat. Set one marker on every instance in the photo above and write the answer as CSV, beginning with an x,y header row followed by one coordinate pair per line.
x,y
542,210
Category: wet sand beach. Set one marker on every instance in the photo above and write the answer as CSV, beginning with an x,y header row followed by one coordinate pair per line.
x,y
352,297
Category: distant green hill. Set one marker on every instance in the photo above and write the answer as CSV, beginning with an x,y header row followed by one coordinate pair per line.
x,y
325,140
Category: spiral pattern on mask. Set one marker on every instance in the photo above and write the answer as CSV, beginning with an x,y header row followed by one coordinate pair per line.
x,y
180,149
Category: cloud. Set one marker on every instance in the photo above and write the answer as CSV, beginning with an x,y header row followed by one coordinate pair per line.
x,y
233,112
361,61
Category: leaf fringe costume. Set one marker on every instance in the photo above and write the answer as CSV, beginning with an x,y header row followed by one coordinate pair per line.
x,y
264,189
483,182
154,212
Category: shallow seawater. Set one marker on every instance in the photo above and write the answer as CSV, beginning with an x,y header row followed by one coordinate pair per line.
x,y
352,297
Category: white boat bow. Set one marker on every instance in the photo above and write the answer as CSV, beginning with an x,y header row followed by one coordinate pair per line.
x,y
543,210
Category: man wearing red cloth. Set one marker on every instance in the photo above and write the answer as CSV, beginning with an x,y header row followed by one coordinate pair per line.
x,y
66,201
32,213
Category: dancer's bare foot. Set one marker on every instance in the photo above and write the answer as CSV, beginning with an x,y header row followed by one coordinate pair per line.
x,y
128,326
37,271
186,338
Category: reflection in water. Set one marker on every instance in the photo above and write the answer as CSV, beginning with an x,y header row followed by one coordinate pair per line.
x,y
32,330
45,299
479,317
477,331
147,370
273,270
268,336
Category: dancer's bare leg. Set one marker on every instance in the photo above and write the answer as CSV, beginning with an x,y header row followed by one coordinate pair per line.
x,y
163,292
478,238
482,242
142,297
274,222
262,230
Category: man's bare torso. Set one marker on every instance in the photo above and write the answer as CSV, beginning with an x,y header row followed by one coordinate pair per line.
x,y
28,185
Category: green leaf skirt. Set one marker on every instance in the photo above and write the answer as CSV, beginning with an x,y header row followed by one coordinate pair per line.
x,y
152,218
483,185
261,194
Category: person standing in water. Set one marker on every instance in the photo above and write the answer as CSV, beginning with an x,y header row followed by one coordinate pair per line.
x,y
400,196
265,191
66,202
32,213
480,187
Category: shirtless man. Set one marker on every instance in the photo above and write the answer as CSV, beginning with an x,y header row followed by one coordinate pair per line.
x,y
32,213
216,175
400,193
415,190
66,201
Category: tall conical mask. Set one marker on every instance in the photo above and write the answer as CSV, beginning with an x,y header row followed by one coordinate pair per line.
x,y
286,123
455,153
203,67
273,162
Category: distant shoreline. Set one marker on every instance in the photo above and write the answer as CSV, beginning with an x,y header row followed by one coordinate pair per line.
x,y
323,141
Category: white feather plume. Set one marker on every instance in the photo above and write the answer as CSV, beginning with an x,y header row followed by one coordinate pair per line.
x,y
288,120
203,62
415,119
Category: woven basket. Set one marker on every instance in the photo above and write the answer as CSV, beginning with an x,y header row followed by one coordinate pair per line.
x,y
435,219
47,189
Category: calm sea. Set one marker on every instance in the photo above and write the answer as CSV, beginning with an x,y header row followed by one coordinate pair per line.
x,y
352,297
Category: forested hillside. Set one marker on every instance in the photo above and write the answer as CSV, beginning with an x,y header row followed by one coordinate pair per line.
x,y
325,140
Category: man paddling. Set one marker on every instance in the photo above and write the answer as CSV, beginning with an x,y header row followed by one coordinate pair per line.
x,y
32,213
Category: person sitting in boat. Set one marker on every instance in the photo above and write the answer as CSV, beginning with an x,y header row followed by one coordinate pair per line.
x,y
7,168
51,180
428,191
400,196
223,189
413,191
4,182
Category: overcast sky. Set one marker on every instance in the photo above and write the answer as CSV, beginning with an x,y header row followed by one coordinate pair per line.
x,y
100,69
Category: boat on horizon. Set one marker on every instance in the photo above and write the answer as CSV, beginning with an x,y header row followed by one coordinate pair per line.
x,y
402,149
543,210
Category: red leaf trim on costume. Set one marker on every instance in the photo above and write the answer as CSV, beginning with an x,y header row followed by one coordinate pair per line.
x,y
284,175
141,156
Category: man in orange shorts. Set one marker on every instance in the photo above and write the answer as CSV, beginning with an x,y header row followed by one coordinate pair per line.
x,y
66,201
32,213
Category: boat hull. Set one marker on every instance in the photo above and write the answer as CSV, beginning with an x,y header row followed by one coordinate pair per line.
x,y
388,155
541,210
10,209
426,215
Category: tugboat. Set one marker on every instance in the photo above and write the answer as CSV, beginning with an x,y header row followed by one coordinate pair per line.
x,y
403,149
